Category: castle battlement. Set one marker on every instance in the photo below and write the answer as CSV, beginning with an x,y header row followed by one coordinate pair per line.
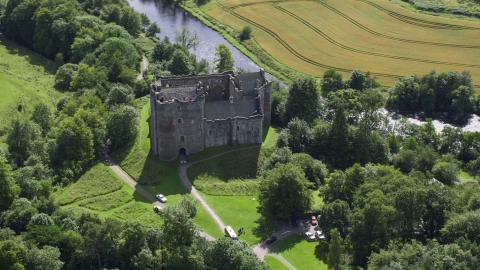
x,y
191,113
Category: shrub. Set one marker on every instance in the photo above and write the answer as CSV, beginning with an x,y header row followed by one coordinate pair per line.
x,y
446,172
245,34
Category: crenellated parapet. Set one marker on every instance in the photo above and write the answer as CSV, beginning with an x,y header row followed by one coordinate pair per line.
x,y
190,113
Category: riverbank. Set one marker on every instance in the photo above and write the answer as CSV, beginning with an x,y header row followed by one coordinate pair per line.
x,y
248,47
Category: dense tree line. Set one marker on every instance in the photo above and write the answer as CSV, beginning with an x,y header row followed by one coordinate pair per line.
x,y
450,92
384,186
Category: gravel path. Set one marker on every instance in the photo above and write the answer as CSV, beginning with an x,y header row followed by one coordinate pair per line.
x,y
131,182
144,67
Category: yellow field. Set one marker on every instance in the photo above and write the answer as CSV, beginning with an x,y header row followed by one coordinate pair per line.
x,y
373,35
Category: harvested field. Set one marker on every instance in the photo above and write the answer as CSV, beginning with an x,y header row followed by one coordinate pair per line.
x,y
370,35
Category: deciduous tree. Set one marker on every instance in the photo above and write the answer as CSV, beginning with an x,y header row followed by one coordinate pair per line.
x,y
285,192
223,58
303,100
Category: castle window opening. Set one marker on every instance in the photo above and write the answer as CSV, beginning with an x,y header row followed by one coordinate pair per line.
x,y
238,127
210,132
200,126
178,108
182,138
179,120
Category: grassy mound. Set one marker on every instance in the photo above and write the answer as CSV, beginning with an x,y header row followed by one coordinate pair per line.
x,y
107,201
98,180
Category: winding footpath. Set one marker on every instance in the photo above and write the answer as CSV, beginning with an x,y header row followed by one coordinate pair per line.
x,y
260,249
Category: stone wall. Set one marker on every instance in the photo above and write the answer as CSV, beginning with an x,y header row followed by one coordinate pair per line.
x,y
217,132
178,124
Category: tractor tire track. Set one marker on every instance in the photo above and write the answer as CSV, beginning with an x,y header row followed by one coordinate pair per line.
x,y
361,26
332,41
293,51
419,22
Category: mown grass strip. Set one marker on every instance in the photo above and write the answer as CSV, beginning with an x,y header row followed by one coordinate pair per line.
x,y
98,180
107,201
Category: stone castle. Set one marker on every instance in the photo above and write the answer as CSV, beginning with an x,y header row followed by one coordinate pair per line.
x,y
191,113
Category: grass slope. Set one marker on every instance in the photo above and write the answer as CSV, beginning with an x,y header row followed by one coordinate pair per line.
x,y
350,34
26,78
98,180
102,192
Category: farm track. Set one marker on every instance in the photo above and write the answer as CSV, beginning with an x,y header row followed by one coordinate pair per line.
x,y
231,10
293,51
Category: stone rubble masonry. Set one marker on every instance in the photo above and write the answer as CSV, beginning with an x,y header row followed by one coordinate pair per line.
x,y
191,113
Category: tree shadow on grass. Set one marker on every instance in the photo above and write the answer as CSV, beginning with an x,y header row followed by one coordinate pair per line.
x,y
321,251
32,57
264,227
288,243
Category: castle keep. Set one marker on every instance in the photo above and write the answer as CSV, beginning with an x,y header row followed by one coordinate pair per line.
x,y
191,113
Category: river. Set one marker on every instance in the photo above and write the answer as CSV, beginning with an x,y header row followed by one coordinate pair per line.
x,y
170,17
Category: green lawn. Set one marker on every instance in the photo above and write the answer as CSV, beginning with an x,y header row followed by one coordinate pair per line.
x,y
274,263
299,253
238,212
26,78
101,191
240,164
270,136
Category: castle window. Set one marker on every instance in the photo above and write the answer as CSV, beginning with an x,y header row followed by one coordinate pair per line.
x,y
238,127
178,108
210,132
179,120
200,126
252,128
182,138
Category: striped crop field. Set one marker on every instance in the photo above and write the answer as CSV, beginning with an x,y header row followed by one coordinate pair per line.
x,y
371,35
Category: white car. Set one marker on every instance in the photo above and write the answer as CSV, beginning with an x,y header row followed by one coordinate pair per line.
x,y
161,198
320,235
309,236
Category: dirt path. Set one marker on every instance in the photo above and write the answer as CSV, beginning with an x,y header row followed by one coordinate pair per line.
x,y
131,182
260,249
144,67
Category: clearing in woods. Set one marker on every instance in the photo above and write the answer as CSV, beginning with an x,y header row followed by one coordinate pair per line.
x,y
370,35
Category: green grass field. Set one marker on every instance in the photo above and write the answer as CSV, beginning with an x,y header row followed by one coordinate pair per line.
x,y
100,191
238,212
298,252
26,78
371,35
